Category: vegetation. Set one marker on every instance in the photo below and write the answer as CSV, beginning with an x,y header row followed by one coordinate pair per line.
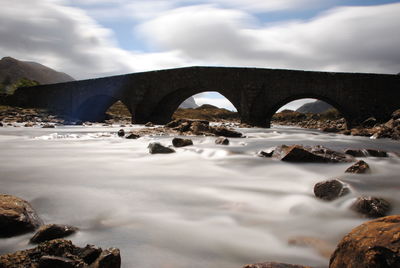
x,y
206,112
6,87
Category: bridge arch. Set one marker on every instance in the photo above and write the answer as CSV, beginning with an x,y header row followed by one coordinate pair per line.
x,y
94,108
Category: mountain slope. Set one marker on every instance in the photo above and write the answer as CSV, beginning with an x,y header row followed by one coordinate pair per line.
x,y
315,107
12,70
189,103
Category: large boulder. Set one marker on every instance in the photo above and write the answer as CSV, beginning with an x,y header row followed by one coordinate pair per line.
x,y
52,231
315,154
16,216
374,244
62,253
157,148
179,142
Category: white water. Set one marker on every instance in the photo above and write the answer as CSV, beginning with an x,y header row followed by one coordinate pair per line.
x,y
205,206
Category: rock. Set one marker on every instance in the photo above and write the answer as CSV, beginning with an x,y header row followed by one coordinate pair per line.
x,y
52,231
121,133
149,124
330,189
323,248
376,153
356,152
109,258
62,253
178,142
265,154
132,136
274,265
175,123
366,152
316,154
157,148
200,127
225,132
16,216
396,114
48,126
375,243
360,167
333,129
222,141
372,207
369,122
361,132
29,124
1,124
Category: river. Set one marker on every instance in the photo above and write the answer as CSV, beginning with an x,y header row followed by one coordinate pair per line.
x,y
206,205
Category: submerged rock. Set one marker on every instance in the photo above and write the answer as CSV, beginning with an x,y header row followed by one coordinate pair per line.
x,y
121,133
372,207
52,231
274,265
132,136
265,153
178,142
157,148
376,153
62,253
365,152
330,189
315,154
360,167
373,244
16,216
48,126
222,141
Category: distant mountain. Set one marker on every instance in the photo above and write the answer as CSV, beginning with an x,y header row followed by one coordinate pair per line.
x,y
315,107
12,70
189,103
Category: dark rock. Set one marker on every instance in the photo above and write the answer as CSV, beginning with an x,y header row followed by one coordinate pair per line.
x,y
396,114
62,253
274,265
48,126
29,124
157,148
52,231
149,124
369,122
175,123
225,132
330,189
333,129
361,132
375,244
58,262
121,133
360,167
265,154
377,153
372,207
1,124
178,142
109,258
200,127
316,154
132,136
356,152
16,216
222,141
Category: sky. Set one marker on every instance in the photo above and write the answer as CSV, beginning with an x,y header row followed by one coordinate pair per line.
x,y
94,38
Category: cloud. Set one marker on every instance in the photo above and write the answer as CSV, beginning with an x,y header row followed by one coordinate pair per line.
x,y
351,39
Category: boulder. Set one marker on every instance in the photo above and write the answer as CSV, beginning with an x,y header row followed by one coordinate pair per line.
x,y
178,142
274,265
16,216
52,231
371,207
48,126
365,152
149,124
265,153
375,244
315,154
29,124
360,167
369,122
225,132
157,148
200,127
132,136
62,253
121,133
222,141
396,114
330,189
376,153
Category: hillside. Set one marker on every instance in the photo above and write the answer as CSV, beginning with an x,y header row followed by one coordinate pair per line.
x,y
206,112
315,107
12,70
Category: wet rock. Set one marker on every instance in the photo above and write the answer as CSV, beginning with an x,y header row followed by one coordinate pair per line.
x,y
200,127
265,153
1,124
149,124
175,123
356,152
121,133
132,136
377,153
372,207
48,126
222,141
361,132
360,167
29,124
396,114
157,148
333,129
315,154
366,152
330,189
52,231
225,132
274,265
375,243
16,216
62,253
369,122
178,142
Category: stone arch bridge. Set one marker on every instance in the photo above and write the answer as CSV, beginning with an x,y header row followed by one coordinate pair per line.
x,y
255,92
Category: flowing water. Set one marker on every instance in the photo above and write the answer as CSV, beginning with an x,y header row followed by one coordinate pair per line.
x,y
206,205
